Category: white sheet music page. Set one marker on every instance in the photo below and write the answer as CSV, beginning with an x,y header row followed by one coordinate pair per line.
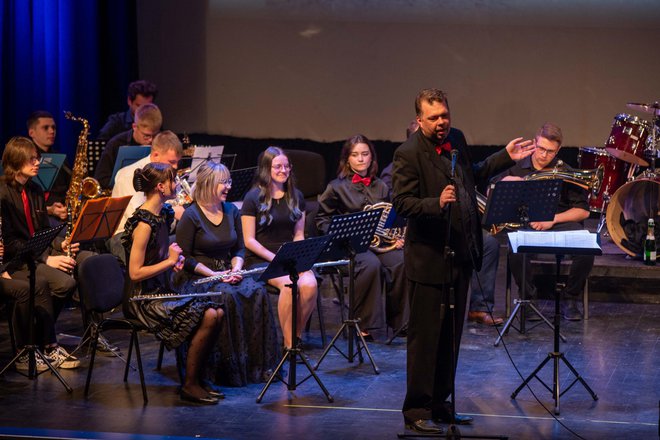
x,y
582,239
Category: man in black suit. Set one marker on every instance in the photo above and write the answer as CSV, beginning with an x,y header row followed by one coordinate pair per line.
x,y
424,193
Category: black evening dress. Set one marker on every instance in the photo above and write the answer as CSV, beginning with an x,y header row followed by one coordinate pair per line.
x,y
247,344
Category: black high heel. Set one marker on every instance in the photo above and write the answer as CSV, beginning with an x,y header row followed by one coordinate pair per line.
x,y
208,400
212,391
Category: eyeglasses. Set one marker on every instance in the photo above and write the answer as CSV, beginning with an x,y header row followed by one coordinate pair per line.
x,y
545,151
225,182
146,136
36,159
282,167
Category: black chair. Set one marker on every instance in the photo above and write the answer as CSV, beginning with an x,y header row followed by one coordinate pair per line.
x,y
309,169
103,287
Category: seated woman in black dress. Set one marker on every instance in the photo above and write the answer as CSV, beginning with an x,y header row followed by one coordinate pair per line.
x,y
355,187
210,236
151,260
273,213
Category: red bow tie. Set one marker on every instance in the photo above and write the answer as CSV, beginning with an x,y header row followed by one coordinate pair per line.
x,y
358,179
444,147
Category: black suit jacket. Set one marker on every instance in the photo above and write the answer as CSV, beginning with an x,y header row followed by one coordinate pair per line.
x,y
419,176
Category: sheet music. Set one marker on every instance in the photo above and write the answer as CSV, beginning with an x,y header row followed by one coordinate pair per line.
x,y
581,239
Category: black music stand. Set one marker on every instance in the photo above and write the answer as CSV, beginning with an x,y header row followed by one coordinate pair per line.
x,y
555,355
49,168
292,259
522,203
201,155
34,247
241,180
351,234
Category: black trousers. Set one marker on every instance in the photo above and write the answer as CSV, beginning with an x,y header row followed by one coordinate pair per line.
x,y
429,369
374,308
19,291
579,271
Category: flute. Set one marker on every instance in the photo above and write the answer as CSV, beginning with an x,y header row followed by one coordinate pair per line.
x,y
260,270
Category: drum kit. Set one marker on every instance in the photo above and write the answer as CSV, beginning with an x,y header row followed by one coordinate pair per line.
x,y
630,191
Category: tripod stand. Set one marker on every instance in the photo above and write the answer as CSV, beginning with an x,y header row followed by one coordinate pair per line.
x,y
519,203
350,235
34,247
292,259
557,355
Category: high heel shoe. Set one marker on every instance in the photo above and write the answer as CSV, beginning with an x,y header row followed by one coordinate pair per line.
x,y
212,391
208,400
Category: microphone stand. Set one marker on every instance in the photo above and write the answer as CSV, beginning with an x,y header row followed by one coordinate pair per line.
x,y
452,430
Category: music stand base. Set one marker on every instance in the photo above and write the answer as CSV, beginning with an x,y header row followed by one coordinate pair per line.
x,y
519,308
555,390
397,333
354,334
33,352
452,433
291,355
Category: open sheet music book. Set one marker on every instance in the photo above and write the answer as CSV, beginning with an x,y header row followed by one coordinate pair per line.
x,y
566,240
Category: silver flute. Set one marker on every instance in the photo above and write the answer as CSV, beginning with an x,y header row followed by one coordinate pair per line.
x,y
260,270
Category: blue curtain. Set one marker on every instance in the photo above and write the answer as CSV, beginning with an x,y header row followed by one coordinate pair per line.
x,y
59,55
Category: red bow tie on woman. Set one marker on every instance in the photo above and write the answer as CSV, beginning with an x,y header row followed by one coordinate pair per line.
x,y
444,147
358,179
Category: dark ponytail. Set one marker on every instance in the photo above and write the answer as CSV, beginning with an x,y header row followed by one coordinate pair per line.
x,y
146,179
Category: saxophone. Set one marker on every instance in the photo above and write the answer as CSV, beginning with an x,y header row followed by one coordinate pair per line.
x,y
81,186
384,238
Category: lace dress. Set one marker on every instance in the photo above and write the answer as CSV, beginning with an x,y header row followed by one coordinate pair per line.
x,y
172,321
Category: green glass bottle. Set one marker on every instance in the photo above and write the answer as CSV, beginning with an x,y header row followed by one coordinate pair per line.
x,y
649,245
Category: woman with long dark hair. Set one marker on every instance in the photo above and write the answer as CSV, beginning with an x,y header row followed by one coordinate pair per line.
x,y
273,213
355,187
151,261
211,238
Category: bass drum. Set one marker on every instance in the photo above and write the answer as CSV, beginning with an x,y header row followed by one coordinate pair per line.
x,y
629,211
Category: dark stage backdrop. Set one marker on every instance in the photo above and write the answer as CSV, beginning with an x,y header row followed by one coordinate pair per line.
x,y
327,69
58,55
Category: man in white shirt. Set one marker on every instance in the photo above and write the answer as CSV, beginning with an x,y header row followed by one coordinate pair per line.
x,y
166,148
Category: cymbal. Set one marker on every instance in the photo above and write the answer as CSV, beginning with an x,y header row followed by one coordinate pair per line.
x,y
646,108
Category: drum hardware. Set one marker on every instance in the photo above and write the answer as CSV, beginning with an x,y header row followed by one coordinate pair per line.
x,y
646,108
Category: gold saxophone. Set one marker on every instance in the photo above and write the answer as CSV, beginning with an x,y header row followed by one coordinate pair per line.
x,y
585,179
81,186
385,238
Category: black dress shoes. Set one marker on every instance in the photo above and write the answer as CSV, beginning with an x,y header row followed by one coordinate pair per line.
x,y
424,426
208,400
460,420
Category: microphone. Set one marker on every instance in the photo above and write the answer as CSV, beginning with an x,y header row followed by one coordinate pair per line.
x,y
454,157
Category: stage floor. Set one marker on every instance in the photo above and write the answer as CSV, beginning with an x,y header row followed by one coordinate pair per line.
x,y
617,352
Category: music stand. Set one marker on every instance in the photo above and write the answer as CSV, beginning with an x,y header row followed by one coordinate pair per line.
x,y
522,202
351,234
127,155
99,219
292,259
49,168
556,355
203,154
241,180
34,247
